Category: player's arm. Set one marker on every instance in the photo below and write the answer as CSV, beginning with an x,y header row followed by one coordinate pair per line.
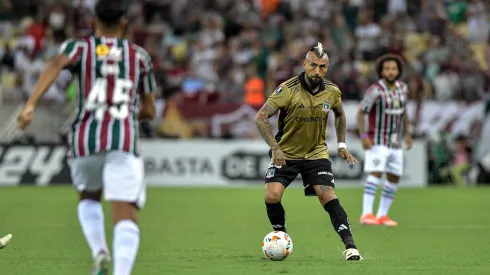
x,y
340,122
280,99
369,100
341,129
68,55
148,89
263,124
47,77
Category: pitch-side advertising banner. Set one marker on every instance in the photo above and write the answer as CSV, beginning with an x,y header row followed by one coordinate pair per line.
x,y
200,162
193,162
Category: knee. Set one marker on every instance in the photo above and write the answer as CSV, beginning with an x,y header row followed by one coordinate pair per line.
x,y
326,194
376,174
90,195
124,211
272,196
392,178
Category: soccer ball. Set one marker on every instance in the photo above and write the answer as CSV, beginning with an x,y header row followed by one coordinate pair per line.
x,y
277,246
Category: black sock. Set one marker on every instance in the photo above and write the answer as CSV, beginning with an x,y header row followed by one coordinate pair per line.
x,y
340,222
277,216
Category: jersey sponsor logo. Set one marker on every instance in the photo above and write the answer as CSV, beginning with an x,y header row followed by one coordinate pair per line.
x,y
278,90
105,52
109,69
396,112
33,164
326,107
311,119
102,50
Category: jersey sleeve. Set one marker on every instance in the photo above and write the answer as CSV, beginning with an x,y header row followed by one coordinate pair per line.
x,y
73,49
280,98
147,76
370,98
338,98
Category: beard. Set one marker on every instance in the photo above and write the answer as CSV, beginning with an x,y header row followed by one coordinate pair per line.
x,y
390,80
314,81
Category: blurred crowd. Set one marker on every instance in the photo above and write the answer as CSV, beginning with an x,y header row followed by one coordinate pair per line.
x,y
226,50
215,52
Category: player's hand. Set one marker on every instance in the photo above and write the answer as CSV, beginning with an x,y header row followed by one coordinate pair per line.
x,y
408,141
278,157
25,117
343,153
367,143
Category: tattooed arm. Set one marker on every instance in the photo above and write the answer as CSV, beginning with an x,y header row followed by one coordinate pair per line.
x,y
262,122
340,123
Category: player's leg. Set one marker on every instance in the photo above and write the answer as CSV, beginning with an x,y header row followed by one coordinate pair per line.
x,y
86,174
394,169
276,181
124,187
317,175
374,165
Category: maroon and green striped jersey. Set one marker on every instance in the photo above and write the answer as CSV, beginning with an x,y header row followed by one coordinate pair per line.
x,y
384,107
111,73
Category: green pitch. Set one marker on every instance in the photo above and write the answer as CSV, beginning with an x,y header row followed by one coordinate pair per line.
x,y
219,231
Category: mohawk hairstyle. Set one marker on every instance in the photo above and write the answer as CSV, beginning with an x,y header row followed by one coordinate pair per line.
x,y
319,50
389,57
110,12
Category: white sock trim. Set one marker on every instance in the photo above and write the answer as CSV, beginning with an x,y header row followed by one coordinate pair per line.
x,y
372,179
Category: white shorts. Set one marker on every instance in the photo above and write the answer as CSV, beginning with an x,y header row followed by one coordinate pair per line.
x,y
118,174
383,159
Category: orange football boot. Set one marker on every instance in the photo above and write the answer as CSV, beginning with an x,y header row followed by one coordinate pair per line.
x,y
385,220
369,219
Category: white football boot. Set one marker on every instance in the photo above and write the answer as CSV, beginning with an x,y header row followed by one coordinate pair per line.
x,y
5,240
101,264
352,254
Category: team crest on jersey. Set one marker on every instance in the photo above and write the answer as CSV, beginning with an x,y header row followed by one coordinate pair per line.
x,y
278,90
396,103
326,107
105,52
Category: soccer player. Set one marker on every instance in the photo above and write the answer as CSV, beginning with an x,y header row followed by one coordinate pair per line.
x,y
299,147
384,104
114,77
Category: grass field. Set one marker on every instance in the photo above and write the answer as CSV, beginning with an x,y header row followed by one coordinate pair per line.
x,y
219,231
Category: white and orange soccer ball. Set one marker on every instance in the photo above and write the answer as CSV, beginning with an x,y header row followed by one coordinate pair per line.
x,y
277,246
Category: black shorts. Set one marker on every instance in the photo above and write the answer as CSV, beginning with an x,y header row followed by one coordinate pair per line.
x,y
313,172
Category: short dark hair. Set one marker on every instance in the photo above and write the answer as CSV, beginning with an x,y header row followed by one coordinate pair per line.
x,y
110,12
389,57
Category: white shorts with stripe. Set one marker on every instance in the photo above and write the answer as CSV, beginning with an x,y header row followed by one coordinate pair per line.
x,y
119,174
380,158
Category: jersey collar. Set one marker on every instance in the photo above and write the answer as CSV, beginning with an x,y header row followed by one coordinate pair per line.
x,y
305,86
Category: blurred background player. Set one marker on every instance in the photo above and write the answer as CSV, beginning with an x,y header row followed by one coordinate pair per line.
x,y
384,104
304,102
112,73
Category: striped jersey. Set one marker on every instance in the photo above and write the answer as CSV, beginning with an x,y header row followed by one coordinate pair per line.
x,y
110,74
384,107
